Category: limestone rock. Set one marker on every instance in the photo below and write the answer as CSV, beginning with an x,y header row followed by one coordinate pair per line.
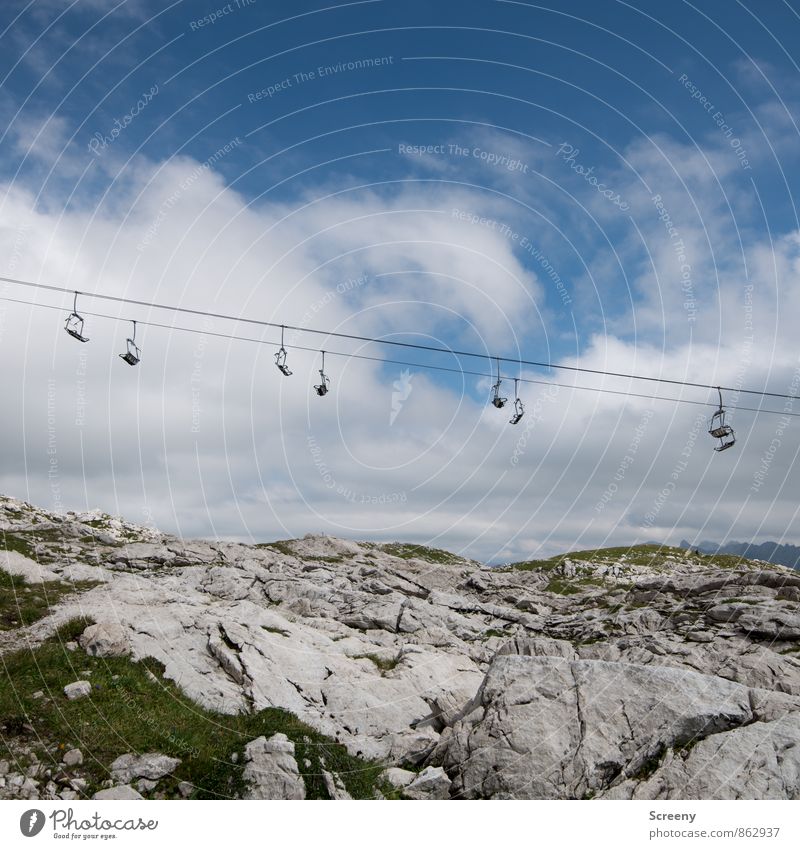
x,y
431,783
77,690
122,791
757,761
105,639
397,777
421,661
335,786
29,570
271,770
550,728
74,757
151,765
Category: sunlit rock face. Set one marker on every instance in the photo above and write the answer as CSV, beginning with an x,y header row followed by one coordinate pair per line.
x,y
651,673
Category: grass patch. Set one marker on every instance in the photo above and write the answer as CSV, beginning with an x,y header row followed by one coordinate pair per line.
x,y
22,604
684,748
612,605
130,711
533,566
280,631
384,664
561,587
408,551
99,524
658,557
12,542
650,765
495,632
26,542
281,545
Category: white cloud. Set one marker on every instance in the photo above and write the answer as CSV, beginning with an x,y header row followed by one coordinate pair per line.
x,y
267,457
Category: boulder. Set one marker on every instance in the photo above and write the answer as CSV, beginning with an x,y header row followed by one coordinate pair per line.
x,y
122,791
335,786
551,728
74,757
397,777
152,765
105,639
757,761
77,690
271,770
431,783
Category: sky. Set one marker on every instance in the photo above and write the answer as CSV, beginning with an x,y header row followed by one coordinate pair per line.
x,y
602,184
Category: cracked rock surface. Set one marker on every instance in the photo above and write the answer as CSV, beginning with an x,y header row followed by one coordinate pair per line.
x,y
272,772
646,674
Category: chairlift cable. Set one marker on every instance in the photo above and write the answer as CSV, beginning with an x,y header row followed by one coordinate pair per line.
x,y
393,342
423,366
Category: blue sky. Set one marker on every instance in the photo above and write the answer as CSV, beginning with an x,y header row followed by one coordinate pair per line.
x,y
604,183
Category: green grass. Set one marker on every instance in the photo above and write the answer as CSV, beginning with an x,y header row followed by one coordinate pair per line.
x,y
590,641
25,541
280,631
562,586
685,748
383,663
22,604
496,632
12,542
534,565
408,551
653,556
650,765
281,545
129,711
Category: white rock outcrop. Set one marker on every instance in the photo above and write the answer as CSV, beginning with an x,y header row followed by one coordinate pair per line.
x,y
122,791
271,770
74,757
77,690
551,728
151,765
431,783
105,639
611,676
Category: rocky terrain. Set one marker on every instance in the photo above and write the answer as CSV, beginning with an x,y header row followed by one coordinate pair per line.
x,y
646,673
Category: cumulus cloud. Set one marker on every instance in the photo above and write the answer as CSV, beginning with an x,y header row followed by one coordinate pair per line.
x,y
206,437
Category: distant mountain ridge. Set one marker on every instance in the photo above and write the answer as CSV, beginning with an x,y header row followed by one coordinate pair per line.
x,y
783,554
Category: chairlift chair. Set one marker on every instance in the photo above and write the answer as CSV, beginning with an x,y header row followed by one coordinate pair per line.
x,y
496,399
132,355
280,358
74,323
519,407
324,380
719,429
